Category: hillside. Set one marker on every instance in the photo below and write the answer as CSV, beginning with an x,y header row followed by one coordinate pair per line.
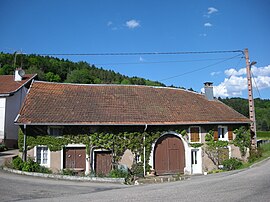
x,y
61,70
262,110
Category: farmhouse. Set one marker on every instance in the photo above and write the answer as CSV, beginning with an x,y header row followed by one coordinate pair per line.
x,y
90,128
13,89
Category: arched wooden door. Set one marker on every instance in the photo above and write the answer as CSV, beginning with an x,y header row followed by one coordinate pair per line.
x,y
169,155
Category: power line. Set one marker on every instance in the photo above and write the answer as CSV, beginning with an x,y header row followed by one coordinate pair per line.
x,y
225,82
141,53
255,83
159,62
199,69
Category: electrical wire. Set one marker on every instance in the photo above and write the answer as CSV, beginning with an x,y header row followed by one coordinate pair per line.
x,y
225,82
159,62
141,53
199,69
255,83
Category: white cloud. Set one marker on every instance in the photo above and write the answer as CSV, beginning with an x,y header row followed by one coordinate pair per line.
x,y
204,35
131,24
208,24
236,82
109,23
215,73
212,10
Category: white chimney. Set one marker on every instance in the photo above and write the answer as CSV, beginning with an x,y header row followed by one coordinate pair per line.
x,y
208,90
19,73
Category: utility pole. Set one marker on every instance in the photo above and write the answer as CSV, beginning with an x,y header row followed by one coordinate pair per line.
x,y
251,101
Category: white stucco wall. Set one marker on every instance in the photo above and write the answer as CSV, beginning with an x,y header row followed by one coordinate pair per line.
x,y
2,117
13,105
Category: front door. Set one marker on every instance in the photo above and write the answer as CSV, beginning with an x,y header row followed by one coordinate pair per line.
x,y
75,158
103,162
195,161
169,155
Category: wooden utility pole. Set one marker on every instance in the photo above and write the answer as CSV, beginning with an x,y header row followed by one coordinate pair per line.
x,y
251,102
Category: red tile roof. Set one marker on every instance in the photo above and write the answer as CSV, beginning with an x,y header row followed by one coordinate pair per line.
x,y
75,104
9,86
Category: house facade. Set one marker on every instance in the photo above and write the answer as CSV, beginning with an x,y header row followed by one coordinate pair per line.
x,y
13,89
90,128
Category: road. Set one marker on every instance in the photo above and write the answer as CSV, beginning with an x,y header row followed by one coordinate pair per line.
x,y
246,185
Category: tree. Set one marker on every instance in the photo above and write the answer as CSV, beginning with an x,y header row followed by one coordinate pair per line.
x,y
79,76
52,77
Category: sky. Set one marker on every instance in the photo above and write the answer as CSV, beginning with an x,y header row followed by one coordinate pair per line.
x,y
152,26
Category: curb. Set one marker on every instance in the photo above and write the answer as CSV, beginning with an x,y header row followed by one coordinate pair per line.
x,y
260,162
66,177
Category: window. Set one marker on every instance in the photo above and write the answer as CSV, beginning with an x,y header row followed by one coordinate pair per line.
x,y
55,131
42,155
194,134
194,159
222,133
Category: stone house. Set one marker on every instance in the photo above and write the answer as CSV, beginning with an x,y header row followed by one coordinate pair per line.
x,y
165,128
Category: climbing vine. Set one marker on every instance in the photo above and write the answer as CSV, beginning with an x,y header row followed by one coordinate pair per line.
x,y
117,142
242,140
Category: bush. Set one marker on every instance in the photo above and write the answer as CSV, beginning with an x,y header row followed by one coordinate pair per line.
x,y
29,166
3,147
17,163
232,164
118,173
68,172
255,154
137,169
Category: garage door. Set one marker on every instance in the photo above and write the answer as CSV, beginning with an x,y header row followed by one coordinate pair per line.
x,y
169,155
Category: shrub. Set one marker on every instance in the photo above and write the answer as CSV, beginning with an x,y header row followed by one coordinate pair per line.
x,y
17,163
137,169
30,166
254,154
232,164
3,147
68,172
118,173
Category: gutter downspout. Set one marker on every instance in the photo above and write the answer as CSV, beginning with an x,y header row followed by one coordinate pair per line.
x,y
144,151
24,144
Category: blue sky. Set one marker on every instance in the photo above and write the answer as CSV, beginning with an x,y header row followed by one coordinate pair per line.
x,y
96,26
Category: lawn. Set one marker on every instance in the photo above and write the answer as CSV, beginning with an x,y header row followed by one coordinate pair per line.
x,y
265,135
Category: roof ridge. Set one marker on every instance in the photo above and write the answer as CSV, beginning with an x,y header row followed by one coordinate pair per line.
x,y
120,85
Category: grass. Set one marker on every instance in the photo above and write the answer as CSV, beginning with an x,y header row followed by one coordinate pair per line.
x,y
265,135
265,154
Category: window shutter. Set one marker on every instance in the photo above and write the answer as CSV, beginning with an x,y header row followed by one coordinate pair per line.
x,y
194,133
216,133
230,133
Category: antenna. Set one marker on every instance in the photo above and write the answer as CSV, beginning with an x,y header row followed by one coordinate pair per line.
x,y
21,72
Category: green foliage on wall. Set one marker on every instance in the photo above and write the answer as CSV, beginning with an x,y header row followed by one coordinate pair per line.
x,y
117,143
242,140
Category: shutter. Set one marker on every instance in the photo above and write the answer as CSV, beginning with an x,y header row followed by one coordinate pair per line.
x,y
230,133
216,133
194,133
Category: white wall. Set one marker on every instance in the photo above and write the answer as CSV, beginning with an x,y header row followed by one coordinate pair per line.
x,y
2,117
13,105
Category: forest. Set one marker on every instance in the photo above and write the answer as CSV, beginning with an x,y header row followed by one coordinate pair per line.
x,y
62,70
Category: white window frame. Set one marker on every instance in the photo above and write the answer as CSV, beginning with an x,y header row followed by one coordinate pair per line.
x,y
189,134
226,137
48,155
59,128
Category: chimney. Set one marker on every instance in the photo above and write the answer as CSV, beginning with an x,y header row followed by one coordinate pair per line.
x,y
208,90
19,73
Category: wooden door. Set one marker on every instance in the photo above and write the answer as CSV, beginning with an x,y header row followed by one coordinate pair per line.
x,y
75,158
169,155
103,162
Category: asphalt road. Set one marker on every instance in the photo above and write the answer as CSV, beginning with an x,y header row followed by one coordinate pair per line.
x,y
245,185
